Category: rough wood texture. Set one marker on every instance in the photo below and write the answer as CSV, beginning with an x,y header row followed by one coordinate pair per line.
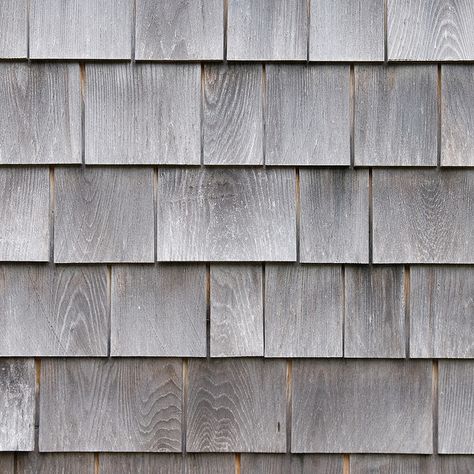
x,y
53,311
143,114
24,214
158,310
442,312
423,216
236,405
113,405
7,463
307,117
13,26
457,115
362,406
17,404
226,214
103,215
35,463
290,464
236,311
435,30
346,30
456,407
396,115
233,115
334,216
209,464
80,29
180,31
303,311
374,312
267,30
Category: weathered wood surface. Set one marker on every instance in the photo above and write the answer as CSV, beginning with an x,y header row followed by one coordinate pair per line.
x,y
290,464
57,463
142,114
267,30
457,115
334,216
7,463
437,30
103,215
236,311
53,311
236,405
346,30
179,31
442,312
303,311
307,116
396,115
113,405
80,29
224,214
17,404
233,115
13,29
24,214
374,312
423,216
158,310
209,464
455,408
362,406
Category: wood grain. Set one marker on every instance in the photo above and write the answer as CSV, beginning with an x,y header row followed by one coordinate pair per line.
x,y
361,406
233,115
80,29
236,311
334,216
103,215
13,26
438,30
236,405
457,115
17,404
303,311
209,464
7,463
423,216
396,115
180,31
121,463
57,463
267,30
110,405
374,312
290,464
225,214
24,214
158,310
307,117
346,30
142,114
53,311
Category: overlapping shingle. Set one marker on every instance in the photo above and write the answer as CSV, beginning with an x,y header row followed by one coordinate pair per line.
x,y
57,463
290,464
13,29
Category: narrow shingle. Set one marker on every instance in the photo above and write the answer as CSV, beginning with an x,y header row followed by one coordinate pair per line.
x,y
13,29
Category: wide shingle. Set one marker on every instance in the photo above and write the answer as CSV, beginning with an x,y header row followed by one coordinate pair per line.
x,y
57,463
13,29
291,464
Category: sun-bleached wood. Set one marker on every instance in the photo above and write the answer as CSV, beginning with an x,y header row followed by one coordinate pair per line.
x,y
55,463
291,464
13,29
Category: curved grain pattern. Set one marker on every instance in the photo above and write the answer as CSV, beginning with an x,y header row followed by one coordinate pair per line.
x,y
36,463
13,26
291,464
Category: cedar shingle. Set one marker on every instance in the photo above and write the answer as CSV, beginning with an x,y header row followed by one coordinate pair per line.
x,y
13,29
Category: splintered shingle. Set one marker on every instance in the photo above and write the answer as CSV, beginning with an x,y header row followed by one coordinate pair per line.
x,y
103,215
347,30
334,216
24,214
423,216
307,118
57,463
290,464
226,214
13,26
361,406
267,30
232,115
159,310
375,312
110,405
180,31
456,407
40,113
80,29
17,404
236,405
434,30
53,311
396,115
142,114
303,311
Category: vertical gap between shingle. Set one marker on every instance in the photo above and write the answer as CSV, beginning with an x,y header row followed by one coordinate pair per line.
x,y
201,113
263,307
96,463
343,310
406,287
298,213
109,308
346,464
82,72
208,310
226,22
37,396
438,155
155,213
385,31
184,405
352,113
289,408
52,206
264,113
308,28
134,29
237,463
435,378
371,218
15,463
28,30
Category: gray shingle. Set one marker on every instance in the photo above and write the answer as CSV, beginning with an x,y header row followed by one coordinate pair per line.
x,y
7,463
57,463
209,464
290,464
13,26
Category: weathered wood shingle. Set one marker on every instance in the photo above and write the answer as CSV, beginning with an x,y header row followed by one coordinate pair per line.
x,y
13,29
290,464
55,463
